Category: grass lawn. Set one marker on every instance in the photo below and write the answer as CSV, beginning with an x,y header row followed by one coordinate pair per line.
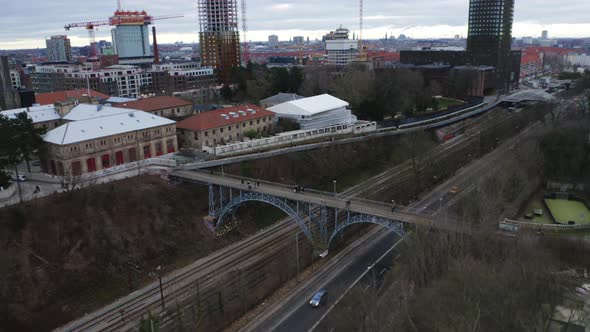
x,y
565,211
534,205
444,103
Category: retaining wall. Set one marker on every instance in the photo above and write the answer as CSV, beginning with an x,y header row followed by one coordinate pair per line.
x,y
290,137
8,192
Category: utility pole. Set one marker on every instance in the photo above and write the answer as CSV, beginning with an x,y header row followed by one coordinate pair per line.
x,y
297,252
20,192
158,274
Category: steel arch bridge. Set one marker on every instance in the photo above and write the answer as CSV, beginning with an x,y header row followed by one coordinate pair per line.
x,y
327,222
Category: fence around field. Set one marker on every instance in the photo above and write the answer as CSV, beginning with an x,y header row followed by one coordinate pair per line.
x,y
515,226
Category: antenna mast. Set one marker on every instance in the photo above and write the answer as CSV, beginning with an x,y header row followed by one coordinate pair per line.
x,y
361,49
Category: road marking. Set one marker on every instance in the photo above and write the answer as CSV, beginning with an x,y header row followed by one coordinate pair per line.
x,y
354,283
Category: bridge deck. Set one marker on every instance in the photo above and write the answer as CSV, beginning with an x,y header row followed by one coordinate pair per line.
x,y
374,208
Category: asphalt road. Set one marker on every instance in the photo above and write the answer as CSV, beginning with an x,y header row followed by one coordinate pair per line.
x,y
300,316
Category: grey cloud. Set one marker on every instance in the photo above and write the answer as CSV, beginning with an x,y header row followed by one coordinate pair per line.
x,y
34,19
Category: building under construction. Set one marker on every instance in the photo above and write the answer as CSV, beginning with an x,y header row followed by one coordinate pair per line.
x,y
219,36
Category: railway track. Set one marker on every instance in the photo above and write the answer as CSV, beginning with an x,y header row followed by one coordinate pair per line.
x,y
124,313
119,314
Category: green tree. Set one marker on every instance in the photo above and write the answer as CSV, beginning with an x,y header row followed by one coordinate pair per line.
x,y
295,79
280,80
10,154
151,323
226,92
371,110
6,149
28,138
19,139
251,134
286,124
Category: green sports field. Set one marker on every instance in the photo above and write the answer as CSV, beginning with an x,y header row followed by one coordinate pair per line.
x,y
564,211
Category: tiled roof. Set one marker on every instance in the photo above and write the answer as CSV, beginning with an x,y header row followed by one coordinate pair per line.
x,y
50,98
223,117
86,111
84,130
281,98
154,103
36,113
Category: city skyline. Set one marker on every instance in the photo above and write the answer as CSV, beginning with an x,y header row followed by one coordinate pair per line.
x,y
285,19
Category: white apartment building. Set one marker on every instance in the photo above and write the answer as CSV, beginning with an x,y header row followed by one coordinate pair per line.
x,y
15,79
59,49
577,59
273,41
131,41
340,50
127,79
176,66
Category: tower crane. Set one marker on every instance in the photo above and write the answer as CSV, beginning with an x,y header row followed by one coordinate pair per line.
x,y
119,18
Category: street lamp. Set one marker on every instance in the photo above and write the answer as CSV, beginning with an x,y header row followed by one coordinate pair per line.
x,y
334,182
440,204
158,274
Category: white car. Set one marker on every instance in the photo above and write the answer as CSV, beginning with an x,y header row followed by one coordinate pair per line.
x,y
20,178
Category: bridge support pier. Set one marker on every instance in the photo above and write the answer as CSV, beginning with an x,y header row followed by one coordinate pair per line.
x,y
313,219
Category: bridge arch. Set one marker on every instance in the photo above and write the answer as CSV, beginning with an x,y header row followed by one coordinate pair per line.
x,y
394,226
281,204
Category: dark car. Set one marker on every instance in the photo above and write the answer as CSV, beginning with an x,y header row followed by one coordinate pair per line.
x,y
318,298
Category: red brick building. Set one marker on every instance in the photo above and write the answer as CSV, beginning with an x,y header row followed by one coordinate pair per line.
x,y
224,126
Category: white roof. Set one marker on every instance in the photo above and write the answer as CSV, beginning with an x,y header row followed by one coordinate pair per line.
x,y
119,99
84,130
529,95
36,113
309,106
88,111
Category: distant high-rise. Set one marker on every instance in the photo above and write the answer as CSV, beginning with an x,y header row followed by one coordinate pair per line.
x,y
273,41
8,98
59,49
131,41
219,36
545,34
489,38
341,51
298,40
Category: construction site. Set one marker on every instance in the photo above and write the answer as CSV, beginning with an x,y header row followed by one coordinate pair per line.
x,y
130,36
219,35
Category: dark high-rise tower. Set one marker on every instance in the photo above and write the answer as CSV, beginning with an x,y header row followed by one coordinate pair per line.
x,y
490,38
219,36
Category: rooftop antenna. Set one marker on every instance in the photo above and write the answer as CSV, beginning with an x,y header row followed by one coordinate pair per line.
x,y
119,5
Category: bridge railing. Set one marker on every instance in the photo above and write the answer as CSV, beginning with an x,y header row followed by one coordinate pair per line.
x,y
253,182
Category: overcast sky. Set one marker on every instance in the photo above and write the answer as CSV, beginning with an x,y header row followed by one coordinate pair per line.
x,y
26,23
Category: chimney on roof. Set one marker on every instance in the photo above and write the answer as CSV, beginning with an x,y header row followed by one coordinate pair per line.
x,y
156,51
